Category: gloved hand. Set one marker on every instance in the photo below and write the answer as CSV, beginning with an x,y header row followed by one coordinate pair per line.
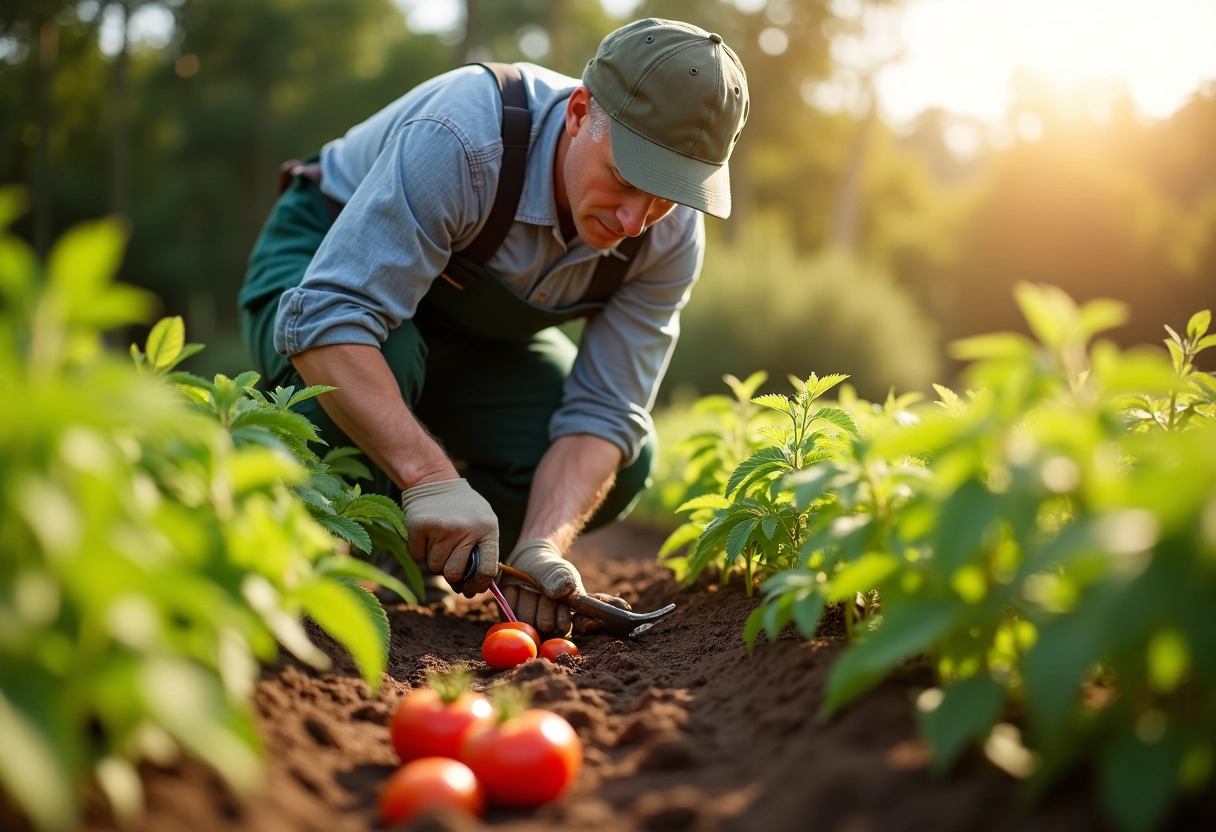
x,y
558,578
443,522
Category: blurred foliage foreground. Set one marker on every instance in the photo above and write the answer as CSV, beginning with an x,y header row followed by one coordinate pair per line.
x,y
162,534
1048,540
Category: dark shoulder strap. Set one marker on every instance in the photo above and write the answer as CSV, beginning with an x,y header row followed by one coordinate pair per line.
x,y
516,135
611,269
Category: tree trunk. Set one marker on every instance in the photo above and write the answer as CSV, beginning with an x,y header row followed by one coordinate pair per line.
x,y
846,222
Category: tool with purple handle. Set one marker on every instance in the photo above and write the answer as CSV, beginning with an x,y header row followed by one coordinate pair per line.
x,y
614,620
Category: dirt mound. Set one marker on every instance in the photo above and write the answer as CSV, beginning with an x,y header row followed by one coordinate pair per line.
x,y
683,730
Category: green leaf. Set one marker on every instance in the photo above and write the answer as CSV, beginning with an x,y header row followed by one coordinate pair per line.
x,y
861,575
839,418
375,507
812,483
714,501
744,390
346,529
31,770
769,527
999,345
308,393
14,202
755,623
816,386
966,519
1100,315
354,617
165,342
280,421
761,459
807,613
1198,325
776,616
342,566
773,401
682,536
343,461
1138,780
906,630
967,712
86,258
737,539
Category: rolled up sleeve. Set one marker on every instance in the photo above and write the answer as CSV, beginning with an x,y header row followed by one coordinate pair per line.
x,y
391,240
626,348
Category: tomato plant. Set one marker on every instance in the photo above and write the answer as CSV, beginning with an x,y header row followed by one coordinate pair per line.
x,y
429,784
504,649
522,626
555,647
430,722
526,760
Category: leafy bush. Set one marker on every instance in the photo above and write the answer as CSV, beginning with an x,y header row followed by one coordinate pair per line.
x,y
1047,540
161,534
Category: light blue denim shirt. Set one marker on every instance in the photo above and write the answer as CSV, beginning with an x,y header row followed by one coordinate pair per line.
x,y
418,179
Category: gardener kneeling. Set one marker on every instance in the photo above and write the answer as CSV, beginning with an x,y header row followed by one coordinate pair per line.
x,y
422,263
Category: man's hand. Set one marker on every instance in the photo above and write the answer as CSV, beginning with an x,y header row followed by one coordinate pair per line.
x,y
444,520
558,578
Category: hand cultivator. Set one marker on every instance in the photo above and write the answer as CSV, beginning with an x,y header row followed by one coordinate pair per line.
x,y
613,620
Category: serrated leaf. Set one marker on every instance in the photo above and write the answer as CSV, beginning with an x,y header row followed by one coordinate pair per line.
x,y
737,539
353,617
816,387
682,536
343,461
769,527
280,421
308,393
375,507
346,529
773,401
747,388
767,458
839,418
165,342
344,566
713,501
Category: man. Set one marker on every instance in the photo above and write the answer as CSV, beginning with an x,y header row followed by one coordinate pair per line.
x,y
491,424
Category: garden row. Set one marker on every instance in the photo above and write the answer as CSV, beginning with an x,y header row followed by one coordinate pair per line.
x,y
1048,539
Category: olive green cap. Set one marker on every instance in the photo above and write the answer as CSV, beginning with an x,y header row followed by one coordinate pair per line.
x,y
677,100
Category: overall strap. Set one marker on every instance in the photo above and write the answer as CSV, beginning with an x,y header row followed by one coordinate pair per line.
x,y
516,136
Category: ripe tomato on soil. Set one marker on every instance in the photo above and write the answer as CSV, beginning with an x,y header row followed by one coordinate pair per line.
x,y
424,725
522,626
525,760
429,784
507,648
555,647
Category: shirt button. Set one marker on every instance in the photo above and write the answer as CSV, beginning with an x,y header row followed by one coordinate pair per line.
x,y
541,297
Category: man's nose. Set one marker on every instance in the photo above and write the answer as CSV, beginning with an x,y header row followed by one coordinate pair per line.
x,y
633,213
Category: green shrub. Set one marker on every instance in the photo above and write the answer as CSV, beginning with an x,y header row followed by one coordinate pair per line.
x,y
758,304
161,535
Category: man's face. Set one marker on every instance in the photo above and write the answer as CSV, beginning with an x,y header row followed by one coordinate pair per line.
x,y
605,209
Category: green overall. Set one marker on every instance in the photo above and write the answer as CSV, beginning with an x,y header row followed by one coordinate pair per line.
x,y
482,368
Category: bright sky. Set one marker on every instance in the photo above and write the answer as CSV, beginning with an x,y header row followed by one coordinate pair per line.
x,y
962,55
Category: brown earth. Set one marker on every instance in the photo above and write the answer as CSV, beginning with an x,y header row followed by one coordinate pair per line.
x,y
683,730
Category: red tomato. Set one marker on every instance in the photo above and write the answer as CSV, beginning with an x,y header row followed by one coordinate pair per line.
x,y
525,761
507,648
429,784
425,726
555,647
522,626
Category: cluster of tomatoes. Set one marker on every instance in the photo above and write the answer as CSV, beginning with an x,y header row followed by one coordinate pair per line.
x,y
460,751
511,643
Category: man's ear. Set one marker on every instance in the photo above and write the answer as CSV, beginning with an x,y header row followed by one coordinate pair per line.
x,y
578,108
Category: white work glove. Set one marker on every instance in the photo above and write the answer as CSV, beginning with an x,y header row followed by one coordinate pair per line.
x,y
558,579
443,522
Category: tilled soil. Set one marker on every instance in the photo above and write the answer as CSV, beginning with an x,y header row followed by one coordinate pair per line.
x,y
683,730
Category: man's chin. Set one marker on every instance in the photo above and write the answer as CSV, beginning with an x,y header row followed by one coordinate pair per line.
x,y
599,236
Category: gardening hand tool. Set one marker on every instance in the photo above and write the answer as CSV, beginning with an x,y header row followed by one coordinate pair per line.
x,y
610,618
441,515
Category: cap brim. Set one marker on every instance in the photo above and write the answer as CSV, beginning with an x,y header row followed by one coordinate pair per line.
x,y
670,175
